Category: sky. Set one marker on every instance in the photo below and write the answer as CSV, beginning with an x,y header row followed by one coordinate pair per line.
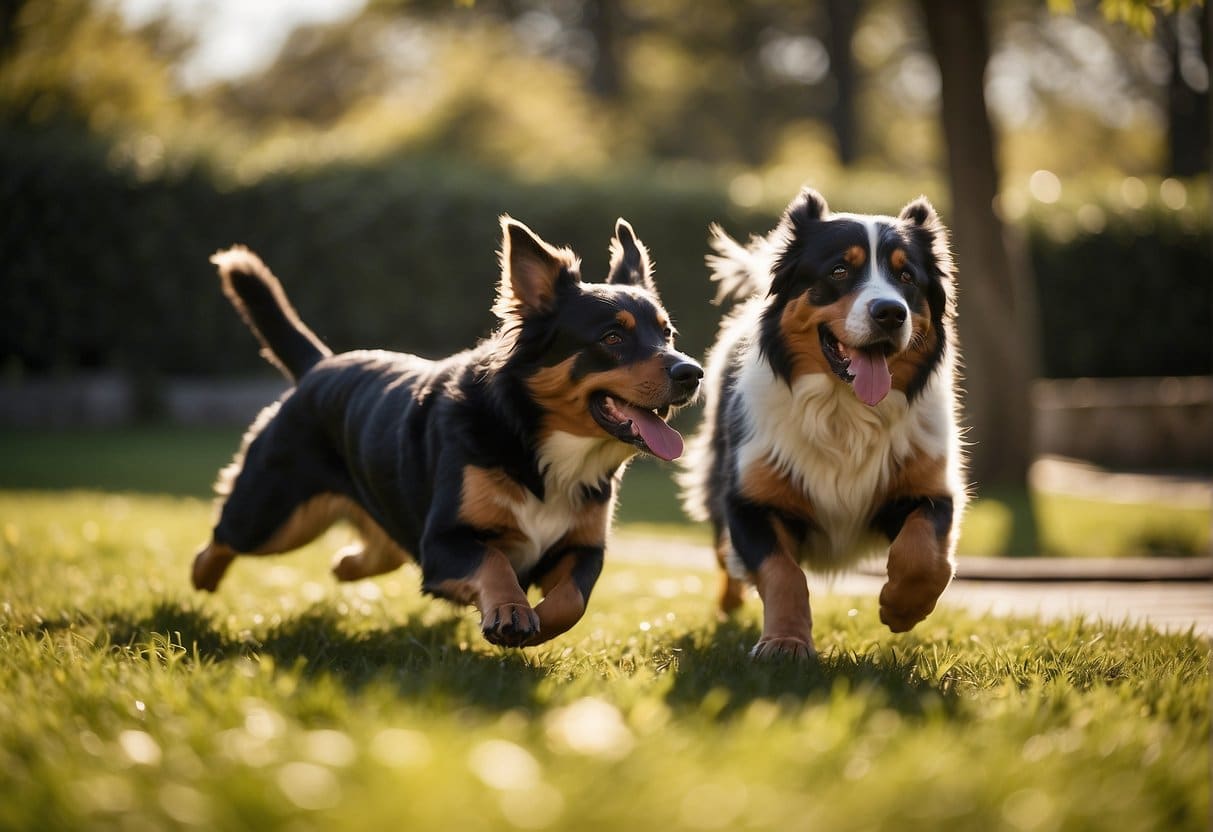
x,y
235,37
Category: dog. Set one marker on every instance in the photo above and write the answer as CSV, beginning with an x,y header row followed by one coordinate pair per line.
x,y
830,424
494,469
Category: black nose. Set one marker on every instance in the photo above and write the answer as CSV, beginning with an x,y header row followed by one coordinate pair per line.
x,y
888,314
686,374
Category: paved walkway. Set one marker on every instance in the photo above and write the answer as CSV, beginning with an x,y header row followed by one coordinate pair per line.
x,y
1172,594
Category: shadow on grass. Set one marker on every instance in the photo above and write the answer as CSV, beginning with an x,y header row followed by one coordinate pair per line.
x,y
718,669
422,661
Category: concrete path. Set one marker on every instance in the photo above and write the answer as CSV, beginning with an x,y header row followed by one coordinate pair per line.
x,y
1172,594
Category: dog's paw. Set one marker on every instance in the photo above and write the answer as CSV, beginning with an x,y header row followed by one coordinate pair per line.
x,y
349,563
510,625
779,648
900,609
906,603
209,566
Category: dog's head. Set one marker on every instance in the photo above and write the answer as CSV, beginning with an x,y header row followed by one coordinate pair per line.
x,y
598,359
864,298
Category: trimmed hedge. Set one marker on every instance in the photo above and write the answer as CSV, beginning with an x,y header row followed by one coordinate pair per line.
x,y
104,269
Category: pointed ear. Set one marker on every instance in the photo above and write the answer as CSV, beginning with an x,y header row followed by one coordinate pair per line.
x,y
532,272
924,220
797,223
808,205
921,212
630,263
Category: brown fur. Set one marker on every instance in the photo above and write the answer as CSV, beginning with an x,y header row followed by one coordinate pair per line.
x,y
566,402
787,626
919,572
494,590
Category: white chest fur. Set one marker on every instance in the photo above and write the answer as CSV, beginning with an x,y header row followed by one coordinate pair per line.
x,y
569,464
840,452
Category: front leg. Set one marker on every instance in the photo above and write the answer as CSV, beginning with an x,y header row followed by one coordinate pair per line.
x,y
460,568
566,591
765,542
920,564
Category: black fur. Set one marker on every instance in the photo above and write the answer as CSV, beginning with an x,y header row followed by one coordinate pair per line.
x,y
393,433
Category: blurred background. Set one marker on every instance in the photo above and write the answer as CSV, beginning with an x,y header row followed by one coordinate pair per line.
x,y
366,147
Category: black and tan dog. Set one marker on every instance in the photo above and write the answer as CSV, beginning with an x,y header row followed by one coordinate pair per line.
x,y
494,469
831,423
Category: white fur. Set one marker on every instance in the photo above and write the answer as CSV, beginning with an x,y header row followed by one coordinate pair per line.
x,y
841,451
569,463
876,286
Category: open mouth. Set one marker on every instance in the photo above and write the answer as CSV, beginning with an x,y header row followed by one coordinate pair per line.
x,y
645,428
866,368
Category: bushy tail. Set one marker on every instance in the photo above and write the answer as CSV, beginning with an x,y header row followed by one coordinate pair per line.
x,y
286,341
739,271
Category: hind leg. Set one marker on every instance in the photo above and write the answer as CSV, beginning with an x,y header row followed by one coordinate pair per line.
x,y
731,594
282,496
375,554
303,523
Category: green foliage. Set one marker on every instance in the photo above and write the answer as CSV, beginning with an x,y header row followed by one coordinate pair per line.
x,y
289,702
1130,295
106,259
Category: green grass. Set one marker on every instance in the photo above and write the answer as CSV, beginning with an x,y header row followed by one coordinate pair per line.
x,y
183,461
289,702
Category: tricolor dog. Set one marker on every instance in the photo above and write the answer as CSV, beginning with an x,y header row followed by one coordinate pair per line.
x,y
830,432
494,469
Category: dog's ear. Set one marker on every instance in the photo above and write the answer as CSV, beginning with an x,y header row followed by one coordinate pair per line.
x,y
924,221
630,264
795,226
532,272
808,206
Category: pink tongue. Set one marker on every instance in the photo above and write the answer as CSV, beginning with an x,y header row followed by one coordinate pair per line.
x,y
872,379
662,439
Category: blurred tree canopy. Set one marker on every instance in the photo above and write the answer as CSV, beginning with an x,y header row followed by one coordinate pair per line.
x,y
1081,130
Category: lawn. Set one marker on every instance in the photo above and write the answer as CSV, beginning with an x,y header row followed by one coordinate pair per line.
x,y
288,702
183,461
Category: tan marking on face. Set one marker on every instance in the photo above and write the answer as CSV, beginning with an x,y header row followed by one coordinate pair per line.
x,y
566,403
626,319
898,259
799,321
855,257
923,338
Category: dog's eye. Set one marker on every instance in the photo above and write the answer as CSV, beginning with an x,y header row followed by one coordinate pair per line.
x,y
906,278
840,272
612,339
668,334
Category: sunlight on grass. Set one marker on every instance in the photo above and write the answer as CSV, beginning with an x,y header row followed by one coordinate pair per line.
x,y
183,461
287,701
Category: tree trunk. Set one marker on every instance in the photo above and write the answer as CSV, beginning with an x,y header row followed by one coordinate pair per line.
x,y
1187,108
602,22
842,15
997,310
